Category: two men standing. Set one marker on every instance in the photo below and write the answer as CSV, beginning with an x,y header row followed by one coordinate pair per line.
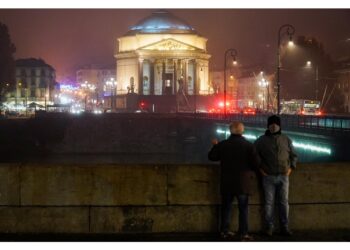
x,y
273,156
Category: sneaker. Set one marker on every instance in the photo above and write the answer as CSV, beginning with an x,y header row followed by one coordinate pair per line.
x,y
269,232
227,235
286,232
246,237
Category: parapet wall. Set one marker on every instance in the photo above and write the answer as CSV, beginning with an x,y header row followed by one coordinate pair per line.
x,y
155,198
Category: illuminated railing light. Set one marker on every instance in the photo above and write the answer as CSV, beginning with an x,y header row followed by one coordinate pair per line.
x,y
250,137
304,146
221,131
312,148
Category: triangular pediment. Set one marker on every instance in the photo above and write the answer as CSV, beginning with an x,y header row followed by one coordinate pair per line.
x,y
169,44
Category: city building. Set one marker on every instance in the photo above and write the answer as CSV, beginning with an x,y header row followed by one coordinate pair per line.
x,y
343,83
160,59
217,83
254,90
35,84
97,76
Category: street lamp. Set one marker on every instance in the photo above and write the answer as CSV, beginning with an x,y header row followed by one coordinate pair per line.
x,y
289,32
26,95
112,86
265,84
233,54
309,65
46,96
20,88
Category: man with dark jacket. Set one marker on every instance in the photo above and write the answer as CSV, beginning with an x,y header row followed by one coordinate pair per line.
x,y
278,159
237,158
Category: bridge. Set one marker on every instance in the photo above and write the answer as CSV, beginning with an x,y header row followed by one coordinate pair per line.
x,y
316,138
323,124
160,138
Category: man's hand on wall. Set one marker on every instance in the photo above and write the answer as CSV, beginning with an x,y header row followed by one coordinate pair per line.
x,y
214,141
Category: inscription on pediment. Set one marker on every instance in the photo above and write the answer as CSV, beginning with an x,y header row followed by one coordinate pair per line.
x,y
169,45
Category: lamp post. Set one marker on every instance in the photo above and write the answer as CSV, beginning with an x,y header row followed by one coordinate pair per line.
x,y
26,95
112,86
46,96
233,54
20,88
114,92
309,65
289,32
263,83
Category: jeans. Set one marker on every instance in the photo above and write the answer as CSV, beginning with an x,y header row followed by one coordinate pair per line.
x,y
276,186
226,212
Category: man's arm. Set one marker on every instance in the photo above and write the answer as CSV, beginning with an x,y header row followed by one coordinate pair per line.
x,y
214,153
292,155
257,145
255,160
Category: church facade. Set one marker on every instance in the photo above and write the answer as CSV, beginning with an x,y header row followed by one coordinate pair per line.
x,y
162,56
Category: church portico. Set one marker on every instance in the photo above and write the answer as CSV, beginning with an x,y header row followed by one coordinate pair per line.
x,y
169,59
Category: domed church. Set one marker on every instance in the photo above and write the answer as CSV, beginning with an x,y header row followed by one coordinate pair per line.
x,y
163,61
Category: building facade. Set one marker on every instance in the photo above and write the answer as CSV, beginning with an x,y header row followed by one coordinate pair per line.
x,y
35,83
162,56
217,83
96,75
255,90
343,83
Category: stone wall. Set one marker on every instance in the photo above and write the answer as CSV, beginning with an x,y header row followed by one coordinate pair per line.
x,y
155,198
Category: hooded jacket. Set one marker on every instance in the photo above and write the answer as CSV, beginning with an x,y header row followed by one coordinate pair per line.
x,y
276,152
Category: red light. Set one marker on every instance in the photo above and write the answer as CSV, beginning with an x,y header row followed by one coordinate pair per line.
x,y
303,112
142,104
221,104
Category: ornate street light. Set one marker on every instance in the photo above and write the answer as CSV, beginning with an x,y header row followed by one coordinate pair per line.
x,y
289,32
233,54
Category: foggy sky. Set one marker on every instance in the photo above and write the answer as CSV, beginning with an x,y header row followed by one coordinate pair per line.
x,y
68,39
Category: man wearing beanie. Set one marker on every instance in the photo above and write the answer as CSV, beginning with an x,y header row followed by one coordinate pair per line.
x,y
277,161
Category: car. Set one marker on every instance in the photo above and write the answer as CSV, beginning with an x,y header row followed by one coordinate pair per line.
x,y
141,111
11,113
249,111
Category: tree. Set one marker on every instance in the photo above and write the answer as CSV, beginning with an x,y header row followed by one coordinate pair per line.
x,y
7,61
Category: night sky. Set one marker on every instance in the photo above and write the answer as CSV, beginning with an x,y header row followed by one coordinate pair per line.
x,y
68,39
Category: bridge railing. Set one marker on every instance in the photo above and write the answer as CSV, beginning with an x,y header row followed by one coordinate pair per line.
x,y
336,123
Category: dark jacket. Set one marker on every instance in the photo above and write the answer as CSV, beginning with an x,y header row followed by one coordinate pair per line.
x,y
238,159
276,153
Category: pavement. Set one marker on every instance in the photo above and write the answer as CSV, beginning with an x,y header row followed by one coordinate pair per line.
x,y
300,236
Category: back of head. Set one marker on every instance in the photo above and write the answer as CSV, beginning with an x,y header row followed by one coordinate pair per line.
x,y
237,128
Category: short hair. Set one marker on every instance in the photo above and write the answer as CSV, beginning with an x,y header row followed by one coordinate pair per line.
x,y
237,128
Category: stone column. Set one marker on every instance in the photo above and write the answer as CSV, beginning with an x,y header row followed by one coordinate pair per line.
x,y
185,74
140,92
175,62
195,74
163,77
151,77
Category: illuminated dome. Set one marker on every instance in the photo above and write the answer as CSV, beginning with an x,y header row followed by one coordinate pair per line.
x,y
161,22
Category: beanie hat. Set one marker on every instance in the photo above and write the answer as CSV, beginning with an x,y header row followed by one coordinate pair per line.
x,y
274,119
